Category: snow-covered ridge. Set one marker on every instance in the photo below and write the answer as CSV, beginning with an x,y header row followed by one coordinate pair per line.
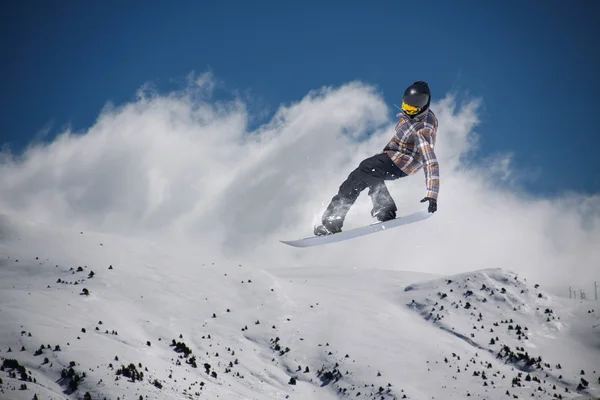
x,y
518,323
88,315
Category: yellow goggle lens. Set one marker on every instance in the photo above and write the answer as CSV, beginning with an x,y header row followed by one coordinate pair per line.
x,y
410,110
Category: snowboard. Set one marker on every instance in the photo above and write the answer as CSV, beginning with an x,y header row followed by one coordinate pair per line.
x,y
359,231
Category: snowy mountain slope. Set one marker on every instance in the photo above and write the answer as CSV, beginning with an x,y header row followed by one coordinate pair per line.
x,y
163,322
553,346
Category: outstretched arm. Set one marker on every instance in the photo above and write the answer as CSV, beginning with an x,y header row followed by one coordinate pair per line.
x,y
425,145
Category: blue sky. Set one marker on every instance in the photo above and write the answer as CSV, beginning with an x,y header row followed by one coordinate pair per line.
x,y
534,64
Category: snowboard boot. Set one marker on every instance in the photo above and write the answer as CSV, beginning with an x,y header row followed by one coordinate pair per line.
x,y
334,215
330,226
384,207
383,215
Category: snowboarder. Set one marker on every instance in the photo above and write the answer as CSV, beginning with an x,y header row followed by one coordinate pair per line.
x,y
409,150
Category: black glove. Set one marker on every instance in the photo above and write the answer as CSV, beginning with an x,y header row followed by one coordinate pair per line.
x,y
432,204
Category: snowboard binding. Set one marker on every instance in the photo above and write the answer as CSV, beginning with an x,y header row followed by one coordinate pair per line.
x,y
330,226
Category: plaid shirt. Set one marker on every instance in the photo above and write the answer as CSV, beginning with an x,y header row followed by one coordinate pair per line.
x,y
411,149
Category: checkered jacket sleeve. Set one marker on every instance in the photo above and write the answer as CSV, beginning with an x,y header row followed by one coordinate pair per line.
x,y
425,144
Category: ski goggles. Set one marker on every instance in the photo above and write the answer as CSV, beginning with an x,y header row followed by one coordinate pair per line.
x,y
410,110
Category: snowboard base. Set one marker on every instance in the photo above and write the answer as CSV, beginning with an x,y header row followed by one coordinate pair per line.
x,y
359,231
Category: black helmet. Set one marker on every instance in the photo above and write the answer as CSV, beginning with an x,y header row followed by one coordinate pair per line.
x,y
416,99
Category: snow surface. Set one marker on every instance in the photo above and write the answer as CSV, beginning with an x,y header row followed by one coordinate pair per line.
x,y
257,333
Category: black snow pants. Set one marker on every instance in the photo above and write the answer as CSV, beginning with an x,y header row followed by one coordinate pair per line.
x,y
372,172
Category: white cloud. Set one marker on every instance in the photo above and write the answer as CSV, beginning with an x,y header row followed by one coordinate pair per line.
x,y
185,166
